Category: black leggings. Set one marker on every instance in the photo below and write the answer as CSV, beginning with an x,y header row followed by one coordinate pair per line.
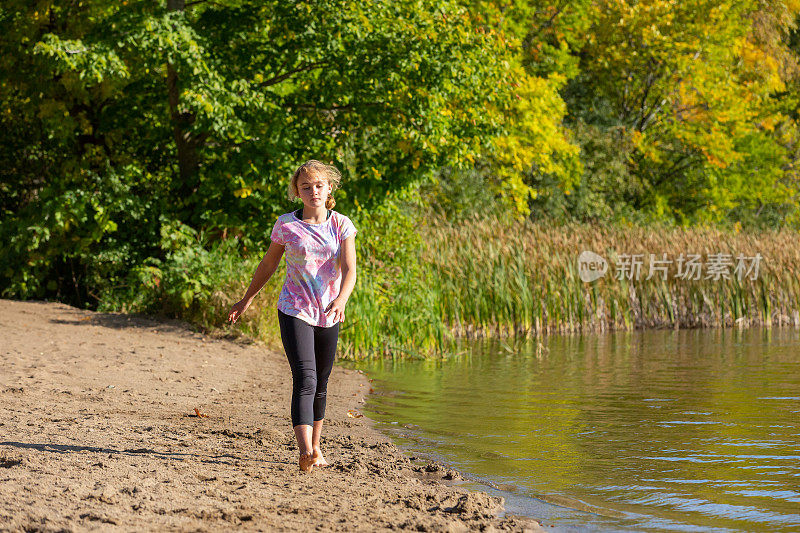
x,y
310,350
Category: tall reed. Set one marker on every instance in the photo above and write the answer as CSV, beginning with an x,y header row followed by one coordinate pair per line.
x,y
424,283
496,278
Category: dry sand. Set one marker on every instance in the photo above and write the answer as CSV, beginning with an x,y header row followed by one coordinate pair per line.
x,y
98,431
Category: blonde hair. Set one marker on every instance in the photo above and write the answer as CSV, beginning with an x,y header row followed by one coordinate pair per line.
x,y
312,166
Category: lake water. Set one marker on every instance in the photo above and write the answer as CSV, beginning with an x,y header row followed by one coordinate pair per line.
x,y
692,430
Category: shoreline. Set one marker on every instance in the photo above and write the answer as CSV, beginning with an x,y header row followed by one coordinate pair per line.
x,y
99,429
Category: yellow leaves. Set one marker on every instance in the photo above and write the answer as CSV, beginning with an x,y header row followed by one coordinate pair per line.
x,y
637,138
518,192
536,135
244,192
769,123
713,160
793,6
376,173
760,62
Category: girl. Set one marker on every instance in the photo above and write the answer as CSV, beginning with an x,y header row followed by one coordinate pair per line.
x,y
320,276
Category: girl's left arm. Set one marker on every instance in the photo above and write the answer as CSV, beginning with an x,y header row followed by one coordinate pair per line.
x,y
336,307
348,268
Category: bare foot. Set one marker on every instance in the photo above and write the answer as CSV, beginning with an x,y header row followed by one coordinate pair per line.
x,y
306,462
318,458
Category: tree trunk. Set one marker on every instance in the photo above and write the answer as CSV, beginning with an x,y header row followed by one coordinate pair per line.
x,y
185,143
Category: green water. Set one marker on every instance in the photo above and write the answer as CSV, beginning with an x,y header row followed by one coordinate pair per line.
x,y
647,431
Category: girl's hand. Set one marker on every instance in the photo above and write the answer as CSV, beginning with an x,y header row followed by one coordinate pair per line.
x,y
337,308
237,310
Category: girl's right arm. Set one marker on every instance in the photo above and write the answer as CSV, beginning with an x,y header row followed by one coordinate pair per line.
x,y
266,268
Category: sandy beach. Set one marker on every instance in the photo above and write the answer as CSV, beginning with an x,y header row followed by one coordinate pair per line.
x,y
99,430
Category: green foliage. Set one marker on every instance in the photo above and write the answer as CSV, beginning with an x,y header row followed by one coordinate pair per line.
x,y
390,304
118,118
460,195
187,283
78,235
685,91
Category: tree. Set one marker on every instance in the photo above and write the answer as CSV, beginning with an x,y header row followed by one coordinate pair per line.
x,y
690,86
121,118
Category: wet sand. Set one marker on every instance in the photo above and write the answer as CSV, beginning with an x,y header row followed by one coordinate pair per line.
x,y
99,431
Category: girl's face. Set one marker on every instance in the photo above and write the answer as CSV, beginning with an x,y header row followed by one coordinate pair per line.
x,y
313,190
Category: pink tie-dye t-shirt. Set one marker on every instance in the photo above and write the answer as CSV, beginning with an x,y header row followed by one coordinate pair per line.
x,y
313,265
